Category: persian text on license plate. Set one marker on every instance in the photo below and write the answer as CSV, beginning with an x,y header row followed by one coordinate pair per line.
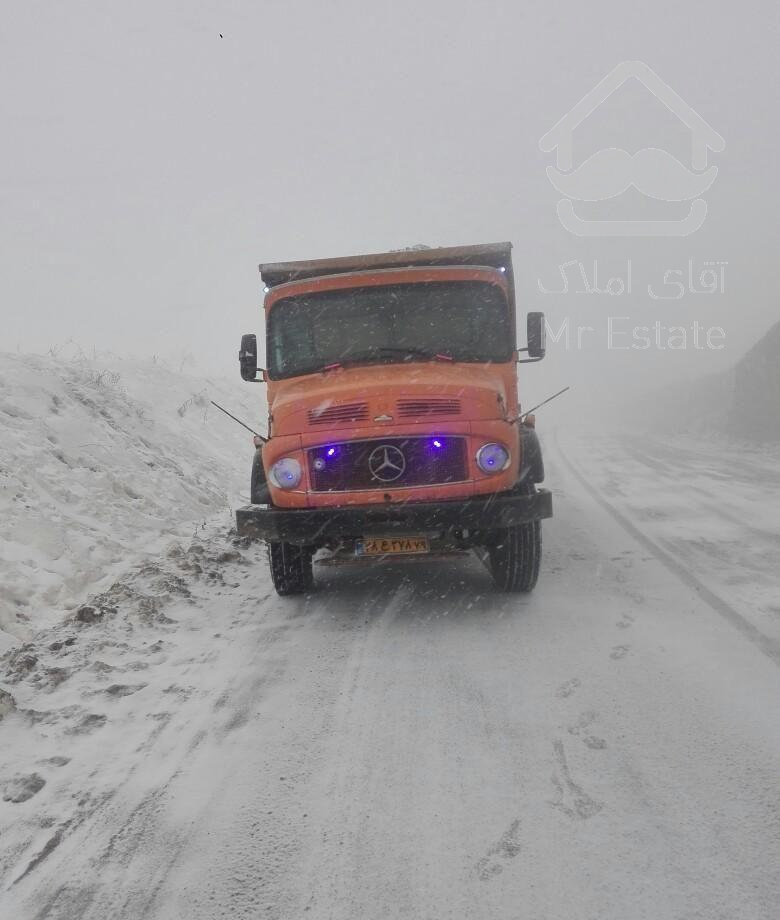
x,y
385,546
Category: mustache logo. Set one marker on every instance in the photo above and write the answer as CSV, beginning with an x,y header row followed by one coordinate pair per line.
x,y
610,172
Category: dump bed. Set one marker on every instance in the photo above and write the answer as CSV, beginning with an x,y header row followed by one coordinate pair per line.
x,y
496,255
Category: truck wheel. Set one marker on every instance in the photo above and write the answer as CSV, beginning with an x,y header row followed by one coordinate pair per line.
x,y
291,568
514,555
258,487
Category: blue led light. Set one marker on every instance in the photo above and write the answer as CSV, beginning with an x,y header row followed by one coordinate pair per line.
x,y
437,443
330,451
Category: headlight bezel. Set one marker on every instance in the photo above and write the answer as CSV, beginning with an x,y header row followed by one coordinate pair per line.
x,y
286,473
497,466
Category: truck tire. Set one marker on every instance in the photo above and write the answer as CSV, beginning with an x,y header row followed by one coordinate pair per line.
x,y
514,555
291,568
258,487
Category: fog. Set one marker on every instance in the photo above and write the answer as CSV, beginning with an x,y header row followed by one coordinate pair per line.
x,y
154,154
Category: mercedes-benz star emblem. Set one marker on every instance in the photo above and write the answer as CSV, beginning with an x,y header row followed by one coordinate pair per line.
x,y
386,463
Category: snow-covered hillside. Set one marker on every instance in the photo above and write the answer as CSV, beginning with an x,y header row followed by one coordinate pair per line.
x,y
102,462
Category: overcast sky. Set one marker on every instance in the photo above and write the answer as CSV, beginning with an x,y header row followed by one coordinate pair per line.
x,y
149,164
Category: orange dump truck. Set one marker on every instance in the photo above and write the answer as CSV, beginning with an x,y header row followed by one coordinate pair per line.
x,y
394,424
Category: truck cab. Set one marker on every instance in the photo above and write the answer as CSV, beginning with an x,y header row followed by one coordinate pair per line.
x,y
394,425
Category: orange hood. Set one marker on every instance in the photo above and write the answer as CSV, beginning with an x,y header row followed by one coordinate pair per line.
x,y
394,394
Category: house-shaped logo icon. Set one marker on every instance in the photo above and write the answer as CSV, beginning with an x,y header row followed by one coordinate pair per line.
x,y
654,172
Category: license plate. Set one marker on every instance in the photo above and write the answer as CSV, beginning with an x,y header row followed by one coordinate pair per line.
x,y
392,546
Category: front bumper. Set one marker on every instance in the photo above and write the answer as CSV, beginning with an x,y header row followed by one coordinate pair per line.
x,y
316,526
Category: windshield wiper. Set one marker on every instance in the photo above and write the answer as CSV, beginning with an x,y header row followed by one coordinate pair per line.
x,y
362,357
408,351
414,350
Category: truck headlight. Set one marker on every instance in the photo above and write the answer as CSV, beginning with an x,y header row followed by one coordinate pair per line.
x,y
285,473
492,458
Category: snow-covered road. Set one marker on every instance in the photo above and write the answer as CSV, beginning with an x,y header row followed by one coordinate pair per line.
x,y
407,742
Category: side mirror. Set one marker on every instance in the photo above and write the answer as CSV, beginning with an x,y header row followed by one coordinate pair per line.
x,y
537,335
247,357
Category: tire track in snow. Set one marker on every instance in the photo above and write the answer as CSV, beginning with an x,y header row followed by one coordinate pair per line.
x,y
348,788
763,642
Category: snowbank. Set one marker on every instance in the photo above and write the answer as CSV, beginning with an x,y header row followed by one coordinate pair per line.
x,y
102,462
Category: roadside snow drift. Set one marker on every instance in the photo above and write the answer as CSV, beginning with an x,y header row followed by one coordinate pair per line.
x,y
102,462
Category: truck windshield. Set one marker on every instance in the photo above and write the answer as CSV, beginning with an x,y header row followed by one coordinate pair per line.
x,y
464,320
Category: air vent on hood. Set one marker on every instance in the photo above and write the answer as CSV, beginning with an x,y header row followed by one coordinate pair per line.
x,y
349,412
428,408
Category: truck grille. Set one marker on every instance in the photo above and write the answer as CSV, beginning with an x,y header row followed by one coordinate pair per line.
x,y
330,415
387,463
427,408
